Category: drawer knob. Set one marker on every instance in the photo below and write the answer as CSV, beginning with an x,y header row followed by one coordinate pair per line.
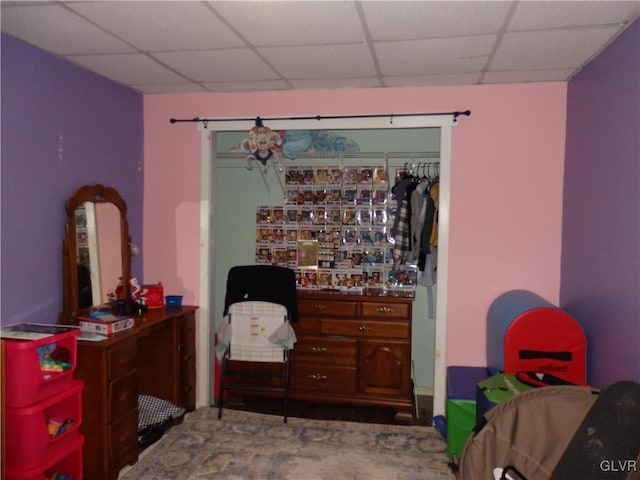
x,y
364,328
317,376
384,309
319,349
319,306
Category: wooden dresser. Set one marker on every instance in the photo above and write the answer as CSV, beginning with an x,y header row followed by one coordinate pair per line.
x,y
156,357
354,348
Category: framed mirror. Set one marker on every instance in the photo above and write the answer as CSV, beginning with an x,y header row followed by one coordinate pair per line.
x,y
96,250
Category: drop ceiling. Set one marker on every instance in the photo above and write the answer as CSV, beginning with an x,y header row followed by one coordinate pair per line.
x,y
227,46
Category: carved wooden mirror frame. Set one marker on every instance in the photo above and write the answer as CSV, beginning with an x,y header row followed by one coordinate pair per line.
x,y
94,194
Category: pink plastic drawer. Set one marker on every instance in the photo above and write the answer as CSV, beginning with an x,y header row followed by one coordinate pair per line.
x,y
68,462
33,432
25,381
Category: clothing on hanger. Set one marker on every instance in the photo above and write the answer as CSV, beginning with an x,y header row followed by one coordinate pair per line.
x,y
434,192
425,236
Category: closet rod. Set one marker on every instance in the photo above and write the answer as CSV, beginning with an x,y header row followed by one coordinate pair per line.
x,y
334,155
205,121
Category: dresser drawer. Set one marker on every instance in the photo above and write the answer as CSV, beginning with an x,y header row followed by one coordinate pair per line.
x,y
306,326
187,356
386,310
123,441
188,390
122,397
122,359
187,327
365,328
323,378
326,351
327,308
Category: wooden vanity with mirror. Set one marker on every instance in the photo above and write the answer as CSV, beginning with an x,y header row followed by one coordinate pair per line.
x,y
156,357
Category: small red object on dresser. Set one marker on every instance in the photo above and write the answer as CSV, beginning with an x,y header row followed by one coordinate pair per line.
x,y
153,295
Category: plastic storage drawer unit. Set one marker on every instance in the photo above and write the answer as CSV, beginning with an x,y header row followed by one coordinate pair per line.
x,y
24,379
65,462
34,432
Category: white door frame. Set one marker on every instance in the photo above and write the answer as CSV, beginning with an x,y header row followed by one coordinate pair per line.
x,y
205,353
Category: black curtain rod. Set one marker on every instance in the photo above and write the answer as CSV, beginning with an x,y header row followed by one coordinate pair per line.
x,y
319,117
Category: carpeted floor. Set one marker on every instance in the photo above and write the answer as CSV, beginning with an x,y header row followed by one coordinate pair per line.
x,y
253,446
333,411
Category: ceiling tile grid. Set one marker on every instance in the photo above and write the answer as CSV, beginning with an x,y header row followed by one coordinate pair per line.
x,y
230,46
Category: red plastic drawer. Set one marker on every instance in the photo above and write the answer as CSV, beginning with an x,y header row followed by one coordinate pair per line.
x,y
27,429
68,462
25,382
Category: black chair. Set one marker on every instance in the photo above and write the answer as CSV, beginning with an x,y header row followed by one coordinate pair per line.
x,y
260,305
262,282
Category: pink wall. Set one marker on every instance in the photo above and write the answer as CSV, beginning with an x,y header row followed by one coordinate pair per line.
x,y
506,187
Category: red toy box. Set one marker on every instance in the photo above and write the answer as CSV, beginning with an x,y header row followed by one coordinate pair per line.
x,y
35,431
68,462
25,381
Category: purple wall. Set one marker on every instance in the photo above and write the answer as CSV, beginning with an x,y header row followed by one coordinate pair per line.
x,y
600,278
62,127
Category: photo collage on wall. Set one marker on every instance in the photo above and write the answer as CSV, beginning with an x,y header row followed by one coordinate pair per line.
x,y
333,229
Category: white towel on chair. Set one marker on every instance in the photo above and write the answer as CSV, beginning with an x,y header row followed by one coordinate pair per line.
x,y
284,336
223,337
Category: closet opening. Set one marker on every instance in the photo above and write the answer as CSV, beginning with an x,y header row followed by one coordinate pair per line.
x,y
231,193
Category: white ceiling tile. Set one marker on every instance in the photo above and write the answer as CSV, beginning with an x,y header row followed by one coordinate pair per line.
x,y
49,27
336,83
436,56
537,15
235,64
17,2
276,23
408,20
524,76
161,25
130,69
160,45
170,88
241,86
435,80
552,49
347,61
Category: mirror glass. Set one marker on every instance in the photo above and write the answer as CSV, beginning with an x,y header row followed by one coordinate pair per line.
x,y
99,252
96,250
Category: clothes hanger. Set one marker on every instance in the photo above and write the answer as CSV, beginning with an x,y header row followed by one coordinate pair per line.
x,y
426,167
436,177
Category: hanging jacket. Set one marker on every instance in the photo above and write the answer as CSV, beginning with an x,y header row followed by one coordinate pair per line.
x,y
402,224
434,192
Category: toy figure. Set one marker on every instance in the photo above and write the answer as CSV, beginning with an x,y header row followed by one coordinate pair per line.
x,y
136,290
262,145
